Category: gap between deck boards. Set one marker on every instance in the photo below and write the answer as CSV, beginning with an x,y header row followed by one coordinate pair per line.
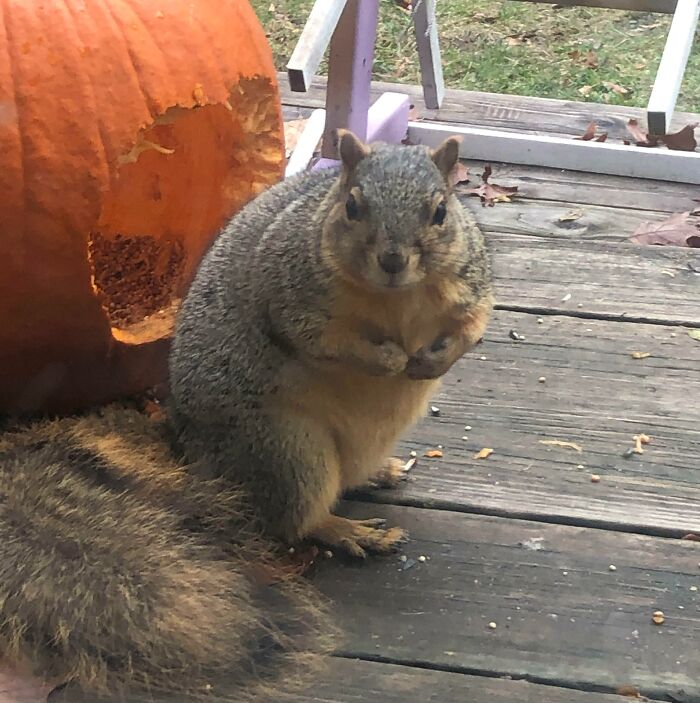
x,y
565,619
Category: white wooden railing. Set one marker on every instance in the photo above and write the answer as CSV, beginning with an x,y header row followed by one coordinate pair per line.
x,y
349,27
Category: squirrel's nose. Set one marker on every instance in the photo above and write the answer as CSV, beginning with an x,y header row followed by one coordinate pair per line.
x,y
393,262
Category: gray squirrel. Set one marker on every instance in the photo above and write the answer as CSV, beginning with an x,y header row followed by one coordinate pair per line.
x,y
317,328
137,555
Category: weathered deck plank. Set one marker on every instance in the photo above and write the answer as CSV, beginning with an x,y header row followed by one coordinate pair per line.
x,y
595,395
577,188
609,280
517,113
352,681
562,616
542,218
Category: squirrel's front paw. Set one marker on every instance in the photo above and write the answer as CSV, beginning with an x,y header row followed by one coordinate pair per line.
x,y
433,361
390,359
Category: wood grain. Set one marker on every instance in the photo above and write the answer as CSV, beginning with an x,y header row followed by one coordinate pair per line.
x,y
562,616
352,681
502,111
595,395
608,280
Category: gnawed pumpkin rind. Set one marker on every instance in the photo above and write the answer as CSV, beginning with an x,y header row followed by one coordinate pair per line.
x,y
104,235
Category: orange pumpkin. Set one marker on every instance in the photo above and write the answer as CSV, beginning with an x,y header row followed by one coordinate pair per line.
x,y
130,130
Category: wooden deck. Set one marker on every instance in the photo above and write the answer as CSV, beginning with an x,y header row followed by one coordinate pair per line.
x,y
568,570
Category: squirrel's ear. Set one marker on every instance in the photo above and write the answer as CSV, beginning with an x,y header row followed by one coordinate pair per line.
x,y
446,156
351,149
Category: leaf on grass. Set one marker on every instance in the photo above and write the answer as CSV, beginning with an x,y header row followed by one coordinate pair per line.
x,y
640,355
682,229
694,334
434,454
585,90
460,174
615,88
590,134
490,193
520,39
562,443
485,453
587,58
684,140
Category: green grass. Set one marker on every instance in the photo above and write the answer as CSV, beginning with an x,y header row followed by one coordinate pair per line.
x,y
505,46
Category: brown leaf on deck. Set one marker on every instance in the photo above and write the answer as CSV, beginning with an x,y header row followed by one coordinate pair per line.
x,y
490,193
571,216
640,355
631,692
434,454
684,140
640,136
692,537
681,229
590,134
485,453
460,174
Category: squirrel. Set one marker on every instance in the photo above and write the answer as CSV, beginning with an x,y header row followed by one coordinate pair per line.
x,y
125,578
318,326
138,555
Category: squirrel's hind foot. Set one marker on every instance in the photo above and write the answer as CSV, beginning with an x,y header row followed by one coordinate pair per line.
x,y
359,537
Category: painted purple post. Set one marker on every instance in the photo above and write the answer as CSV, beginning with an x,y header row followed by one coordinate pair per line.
x,y
350,72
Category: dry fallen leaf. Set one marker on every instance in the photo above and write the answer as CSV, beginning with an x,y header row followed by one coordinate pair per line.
x,y
484,453
587,58
640,355
561,443
520,39
590,134
681,229
683,140
491,193
571,216
585,90
615,88
434,454
460,174
694,334
413,114
640,136
630,692
692,537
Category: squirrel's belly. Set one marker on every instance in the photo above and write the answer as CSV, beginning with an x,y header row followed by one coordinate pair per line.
x,y
365,415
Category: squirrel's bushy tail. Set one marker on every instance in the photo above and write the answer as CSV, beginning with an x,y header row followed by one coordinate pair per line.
x,y
121,572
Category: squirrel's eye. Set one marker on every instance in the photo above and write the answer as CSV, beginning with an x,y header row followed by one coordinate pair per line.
x,y
351,208
440,213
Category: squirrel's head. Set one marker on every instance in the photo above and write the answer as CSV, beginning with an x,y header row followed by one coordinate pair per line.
x,y
395,220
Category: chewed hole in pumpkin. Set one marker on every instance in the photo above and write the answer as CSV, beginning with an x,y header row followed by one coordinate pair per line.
x,y
185,175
